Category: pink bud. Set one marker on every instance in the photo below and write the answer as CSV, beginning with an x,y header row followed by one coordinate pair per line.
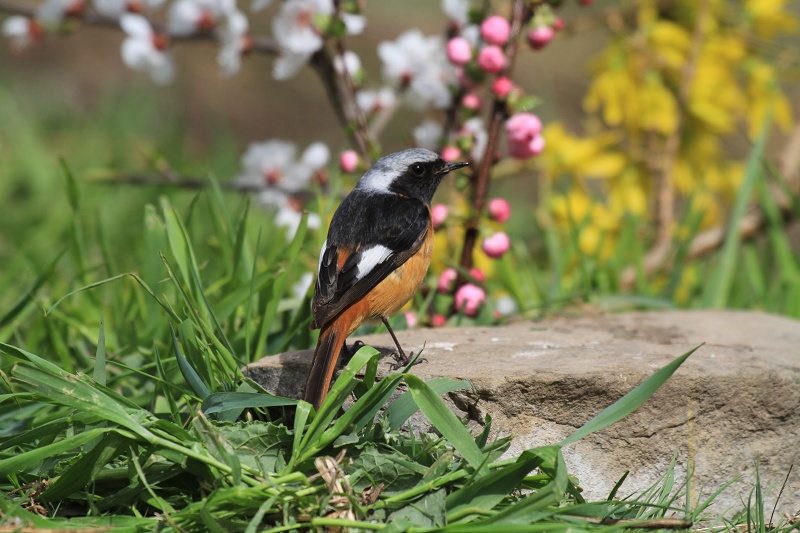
x,y
469,298
411,319
471,101
499,209
438,320
450,153
477,274
491,59
495,30
497,245
558,24
438,215
523,131
459,51
539,36
501,87
348,161
446,280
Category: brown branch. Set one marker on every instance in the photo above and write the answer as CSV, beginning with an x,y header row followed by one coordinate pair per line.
x,y
479,179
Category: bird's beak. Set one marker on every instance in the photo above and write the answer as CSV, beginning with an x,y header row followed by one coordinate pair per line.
x,y
449,167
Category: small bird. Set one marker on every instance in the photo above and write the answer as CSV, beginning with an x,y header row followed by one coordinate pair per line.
x,y
376,255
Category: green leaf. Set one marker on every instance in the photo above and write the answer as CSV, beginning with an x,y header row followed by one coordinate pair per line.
x,y
445,421
99,373
21,462
191,376
228,401
630,402
403,407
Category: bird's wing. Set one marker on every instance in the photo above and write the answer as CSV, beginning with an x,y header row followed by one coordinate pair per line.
x,y
349,270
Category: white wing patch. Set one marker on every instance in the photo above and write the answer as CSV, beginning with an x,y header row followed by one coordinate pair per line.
x,y
321,254
372,257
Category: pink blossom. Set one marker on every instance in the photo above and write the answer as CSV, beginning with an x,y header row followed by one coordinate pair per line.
x,y
459,52
438,215
523,131
451,153
501,87
348,161
438,320
491,59
471,101
469,297
539,36
496,245
477,274
558,24
499,209
411,319
495,30
446,280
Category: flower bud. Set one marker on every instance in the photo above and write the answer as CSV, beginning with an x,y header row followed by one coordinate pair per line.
x,y
496,245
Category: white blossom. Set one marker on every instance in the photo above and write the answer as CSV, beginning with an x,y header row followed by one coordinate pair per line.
x,y
290,218
456,10
259,5
52,12
294,31
428,134
234,40
349,62
480,137
370,101
116,8
143,49
421,63
21,31
187,17
275,164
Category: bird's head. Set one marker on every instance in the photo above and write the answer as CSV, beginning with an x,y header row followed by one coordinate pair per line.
x,y
415,173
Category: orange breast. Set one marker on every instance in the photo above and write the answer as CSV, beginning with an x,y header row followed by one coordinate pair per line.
x,y
399,287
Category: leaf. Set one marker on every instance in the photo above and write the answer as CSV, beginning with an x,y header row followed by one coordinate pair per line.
x,y
99,373
630,402
191,376
228,401
428,511
403,407
445,421
22,461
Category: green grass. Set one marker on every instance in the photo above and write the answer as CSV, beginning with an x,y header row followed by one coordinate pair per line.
x,y
126,315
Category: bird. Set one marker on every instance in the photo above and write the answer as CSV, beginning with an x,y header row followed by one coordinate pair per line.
x,y
376,255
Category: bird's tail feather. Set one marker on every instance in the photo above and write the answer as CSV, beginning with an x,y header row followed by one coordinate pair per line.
x,y
329,347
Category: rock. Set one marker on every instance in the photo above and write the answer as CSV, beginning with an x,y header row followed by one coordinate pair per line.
x,y
734,402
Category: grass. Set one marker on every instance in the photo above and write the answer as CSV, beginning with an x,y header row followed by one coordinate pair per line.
x,y
125,320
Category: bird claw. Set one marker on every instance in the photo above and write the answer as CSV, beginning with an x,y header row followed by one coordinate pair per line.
x,y
401,360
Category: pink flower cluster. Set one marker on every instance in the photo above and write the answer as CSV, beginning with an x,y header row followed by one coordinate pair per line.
x,y
524,134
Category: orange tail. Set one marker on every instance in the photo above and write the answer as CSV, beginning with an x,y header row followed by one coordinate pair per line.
x,y
329,347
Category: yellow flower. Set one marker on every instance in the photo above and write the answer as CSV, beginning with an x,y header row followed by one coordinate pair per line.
x,y
590,157
770,17
658,109
671,42
627,194
764,95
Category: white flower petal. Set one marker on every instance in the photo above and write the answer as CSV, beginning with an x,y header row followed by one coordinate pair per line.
x,y
288,64
316,156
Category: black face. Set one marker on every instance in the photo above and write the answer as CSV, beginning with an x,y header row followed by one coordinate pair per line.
x,y
421,179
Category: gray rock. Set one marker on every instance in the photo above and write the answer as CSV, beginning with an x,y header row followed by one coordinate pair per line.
x,y
734,402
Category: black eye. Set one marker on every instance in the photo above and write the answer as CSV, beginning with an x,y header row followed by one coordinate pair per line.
x,y
417,170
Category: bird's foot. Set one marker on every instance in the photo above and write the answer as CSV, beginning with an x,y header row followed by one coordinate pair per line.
x,y
401,360
348,353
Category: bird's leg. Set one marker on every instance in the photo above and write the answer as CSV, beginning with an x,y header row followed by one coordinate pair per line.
x,y
401,359
348,353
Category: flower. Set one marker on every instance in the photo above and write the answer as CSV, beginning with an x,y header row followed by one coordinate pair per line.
x,y
21,31
51,12
348,62
491,59
371,101
523,131
428,134
446,279
235,40
438,320
145,50
348,161
450,153
469,298
438,215
474,136
477,274
471,101
114,9
459,52
411,319
289,216
421,64
539,36
298,36
457,11
499,209
496,245
495,30
501,87
274,164
187,17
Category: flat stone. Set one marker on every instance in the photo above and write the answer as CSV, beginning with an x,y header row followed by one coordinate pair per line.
x,y
734,402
